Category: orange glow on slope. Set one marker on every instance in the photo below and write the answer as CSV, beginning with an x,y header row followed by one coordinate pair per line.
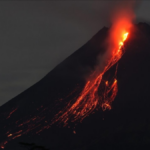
x,y
90,99
11,112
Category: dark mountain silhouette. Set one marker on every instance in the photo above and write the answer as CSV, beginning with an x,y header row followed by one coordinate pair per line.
x,y
26,118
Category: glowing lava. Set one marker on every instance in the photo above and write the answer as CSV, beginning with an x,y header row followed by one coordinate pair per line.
x,y
91,98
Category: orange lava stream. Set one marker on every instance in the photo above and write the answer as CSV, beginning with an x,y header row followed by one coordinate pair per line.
x,y
89,99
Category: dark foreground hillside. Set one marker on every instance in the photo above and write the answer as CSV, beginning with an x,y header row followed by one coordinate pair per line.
x,y
126,126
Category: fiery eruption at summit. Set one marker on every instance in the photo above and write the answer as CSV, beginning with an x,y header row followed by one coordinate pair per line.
x,y
91,98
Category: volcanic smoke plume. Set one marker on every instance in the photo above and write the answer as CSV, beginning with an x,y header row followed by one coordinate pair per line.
x,y
98,92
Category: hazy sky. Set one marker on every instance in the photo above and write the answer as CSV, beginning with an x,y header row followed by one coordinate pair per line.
x,y
36,36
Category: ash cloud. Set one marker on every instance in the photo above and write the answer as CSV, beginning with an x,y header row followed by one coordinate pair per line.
x,y
114,8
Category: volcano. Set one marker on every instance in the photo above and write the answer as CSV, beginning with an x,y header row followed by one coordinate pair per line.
x,y
28,117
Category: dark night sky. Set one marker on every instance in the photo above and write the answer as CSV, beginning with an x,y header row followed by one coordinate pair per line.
x,y
36,36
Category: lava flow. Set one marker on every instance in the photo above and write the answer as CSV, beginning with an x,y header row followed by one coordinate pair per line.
x,y
90,99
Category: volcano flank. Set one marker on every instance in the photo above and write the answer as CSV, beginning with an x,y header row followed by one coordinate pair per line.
x,y
30,117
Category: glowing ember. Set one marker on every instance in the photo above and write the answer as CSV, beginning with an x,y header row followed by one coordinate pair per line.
x,y
89,98
9,135
11,113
